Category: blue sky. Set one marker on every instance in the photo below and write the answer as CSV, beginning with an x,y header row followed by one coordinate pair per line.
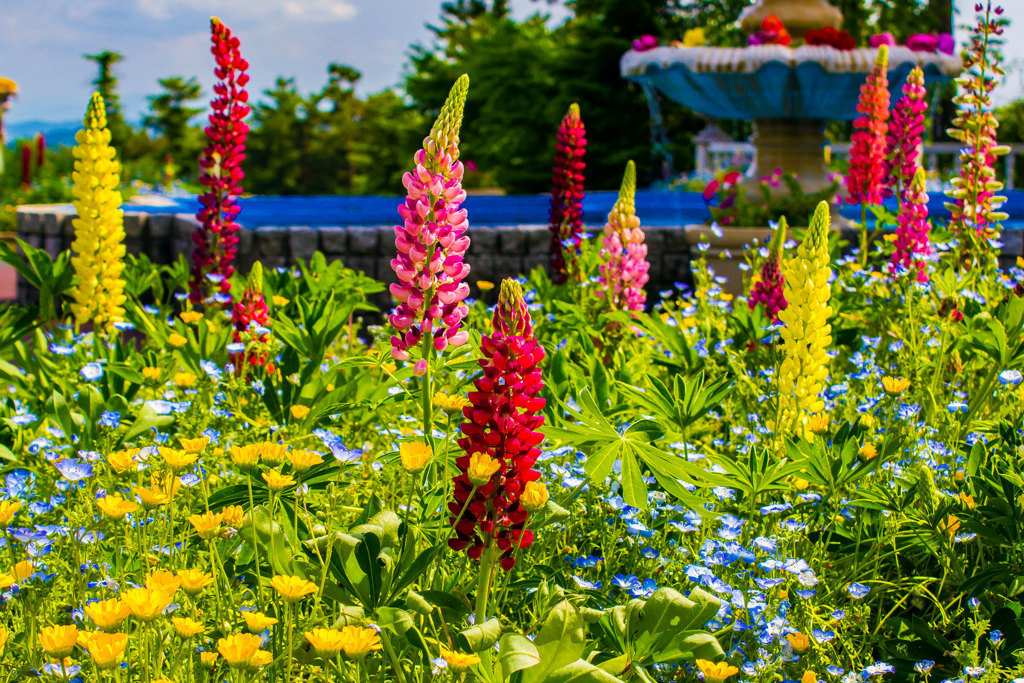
x,y
43,41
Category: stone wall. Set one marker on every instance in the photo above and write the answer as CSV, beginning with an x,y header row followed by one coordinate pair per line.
x,y
494,252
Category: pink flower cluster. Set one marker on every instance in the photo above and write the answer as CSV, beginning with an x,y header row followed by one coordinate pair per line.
x,y
432,242
905,131
221,171
566,217
623,272
865,182
912,246
768,290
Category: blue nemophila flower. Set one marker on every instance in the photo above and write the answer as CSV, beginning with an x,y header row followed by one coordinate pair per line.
x,y
823,636
924,667
91,372
24,419
775,508
957,407
995,636
835,670
858,590
74,470
878,669
1010,377
61,349
973,603
110,418
974,671
586,585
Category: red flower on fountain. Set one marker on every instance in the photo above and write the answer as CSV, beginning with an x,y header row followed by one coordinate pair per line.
x,y
221,171
904,136
768,290
840,40
865,182
772,33
249,317
500,436
566,217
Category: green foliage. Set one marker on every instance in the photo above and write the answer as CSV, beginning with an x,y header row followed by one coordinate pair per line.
x,y
171,117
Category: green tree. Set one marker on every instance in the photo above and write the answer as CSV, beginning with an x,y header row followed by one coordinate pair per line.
x,y
170,118
106,85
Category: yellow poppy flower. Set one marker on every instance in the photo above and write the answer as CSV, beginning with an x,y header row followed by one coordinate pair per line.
x,y
292,588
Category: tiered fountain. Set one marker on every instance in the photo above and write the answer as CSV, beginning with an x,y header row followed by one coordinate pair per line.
x,y
789,93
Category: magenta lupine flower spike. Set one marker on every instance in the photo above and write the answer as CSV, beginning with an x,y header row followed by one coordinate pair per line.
x,y
912,247
220,171
566,217
432,241
623,252
905,131
865,182
768,290
500,436
975,210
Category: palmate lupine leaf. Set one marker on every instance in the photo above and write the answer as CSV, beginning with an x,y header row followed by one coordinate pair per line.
x,y
635,446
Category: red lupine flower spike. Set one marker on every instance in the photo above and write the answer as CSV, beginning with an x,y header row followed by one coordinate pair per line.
x,y
566,217
500,436
216,243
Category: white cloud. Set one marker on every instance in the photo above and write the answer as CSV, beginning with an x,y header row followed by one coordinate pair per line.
x,y
319,10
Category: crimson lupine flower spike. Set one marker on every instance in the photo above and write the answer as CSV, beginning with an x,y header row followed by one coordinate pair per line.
x,y
220,171
905,131
500,434
432,241
768,290
251,322
912,246
865,182
566,217
623,272
975,213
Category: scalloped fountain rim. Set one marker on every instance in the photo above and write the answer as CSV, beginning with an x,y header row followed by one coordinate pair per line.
x,y
815,82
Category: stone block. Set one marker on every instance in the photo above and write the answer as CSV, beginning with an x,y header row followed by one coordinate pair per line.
x,y
675,240
333,241
533,260
507,266
654,238
362,264
271,245
67,230
157,236
674,268
364,240
134,224
302,243
511,241
483,241
246,256
538,238
1013,243
385,240
481,267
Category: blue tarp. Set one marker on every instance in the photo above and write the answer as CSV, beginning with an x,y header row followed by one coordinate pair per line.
x,y
655,208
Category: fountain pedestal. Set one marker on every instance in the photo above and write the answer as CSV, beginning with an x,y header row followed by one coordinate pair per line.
x,y
792,145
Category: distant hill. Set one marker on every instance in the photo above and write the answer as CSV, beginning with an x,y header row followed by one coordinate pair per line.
x,y
56,132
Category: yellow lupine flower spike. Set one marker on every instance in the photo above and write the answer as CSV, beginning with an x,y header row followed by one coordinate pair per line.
x,y
807,333
99,229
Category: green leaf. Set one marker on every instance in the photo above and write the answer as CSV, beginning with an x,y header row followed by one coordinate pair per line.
x,y
578,671
479,637
515,653
560,642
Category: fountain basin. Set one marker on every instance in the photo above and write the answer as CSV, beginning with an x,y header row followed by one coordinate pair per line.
x,y
810,82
